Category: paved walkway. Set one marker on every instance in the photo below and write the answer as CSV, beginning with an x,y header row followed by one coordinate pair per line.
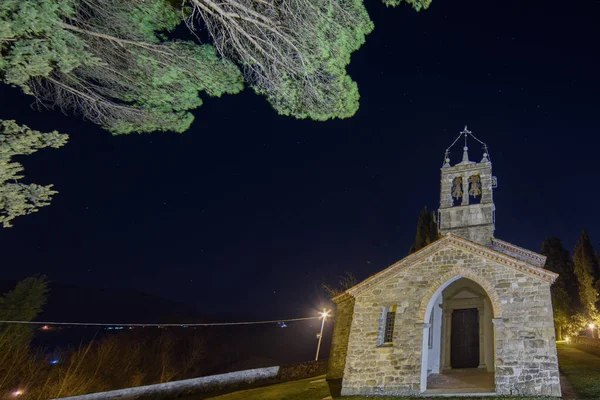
x,y
473,380
455,381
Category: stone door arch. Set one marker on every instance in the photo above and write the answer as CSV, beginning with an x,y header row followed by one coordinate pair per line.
x,y
436,287
426,308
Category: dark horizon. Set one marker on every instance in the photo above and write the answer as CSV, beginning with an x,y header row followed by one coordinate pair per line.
x,y
249,212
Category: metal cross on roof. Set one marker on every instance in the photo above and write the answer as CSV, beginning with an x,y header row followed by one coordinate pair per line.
x,y
466,132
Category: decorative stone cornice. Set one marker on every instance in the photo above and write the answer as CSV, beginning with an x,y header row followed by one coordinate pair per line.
x,y
341,298
504,259
458,242
534,258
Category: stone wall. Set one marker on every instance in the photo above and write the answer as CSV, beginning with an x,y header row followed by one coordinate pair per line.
x,y
303,370
526,361
585,340
481,233
341,332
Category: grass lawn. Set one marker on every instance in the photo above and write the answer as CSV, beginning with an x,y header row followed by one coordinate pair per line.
x,y
294,390
580,364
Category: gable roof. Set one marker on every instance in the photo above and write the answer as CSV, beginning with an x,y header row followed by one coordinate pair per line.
x,y
508,258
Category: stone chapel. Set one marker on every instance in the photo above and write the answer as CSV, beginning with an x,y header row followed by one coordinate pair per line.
x,y
469,313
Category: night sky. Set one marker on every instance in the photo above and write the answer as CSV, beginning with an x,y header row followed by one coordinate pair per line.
x,y
249,212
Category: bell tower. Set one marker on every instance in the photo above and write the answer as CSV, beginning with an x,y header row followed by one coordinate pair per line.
x,y
466,199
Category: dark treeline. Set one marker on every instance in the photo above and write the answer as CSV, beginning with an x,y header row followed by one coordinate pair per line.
x,y
575,293
427,230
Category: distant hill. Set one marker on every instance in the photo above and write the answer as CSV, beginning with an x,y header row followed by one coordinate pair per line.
x,y
72,303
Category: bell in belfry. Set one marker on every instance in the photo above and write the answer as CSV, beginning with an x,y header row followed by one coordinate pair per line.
x,y
475,185
457,191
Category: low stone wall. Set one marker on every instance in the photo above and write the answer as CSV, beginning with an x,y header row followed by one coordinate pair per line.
x,y
222,383
170,390
303,370
585,340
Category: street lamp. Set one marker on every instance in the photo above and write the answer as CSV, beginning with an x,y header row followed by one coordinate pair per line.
x,y
592,326
323,315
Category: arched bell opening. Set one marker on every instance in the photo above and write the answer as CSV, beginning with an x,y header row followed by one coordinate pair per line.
x,y
457,191
475,189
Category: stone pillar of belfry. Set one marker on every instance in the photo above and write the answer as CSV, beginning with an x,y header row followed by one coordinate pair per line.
x,y
481,339
465,198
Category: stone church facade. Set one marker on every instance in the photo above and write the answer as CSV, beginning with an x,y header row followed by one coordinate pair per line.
x,y
466,302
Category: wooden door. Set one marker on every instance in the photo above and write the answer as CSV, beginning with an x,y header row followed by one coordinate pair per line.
x,y
465,338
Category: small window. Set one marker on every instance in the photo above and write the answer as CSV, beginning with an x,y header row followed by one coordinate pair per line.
x,y
430,339
457,191
390,319
475,189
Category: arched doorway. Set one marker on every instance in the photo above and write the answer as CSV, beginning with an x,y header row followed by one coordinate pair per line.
x,y
458,351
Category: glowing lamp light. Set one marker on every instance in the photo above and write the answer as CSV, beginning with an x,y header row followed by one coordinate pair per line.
x,y
54,362
567,339
45,327
592,326
323,315
17,393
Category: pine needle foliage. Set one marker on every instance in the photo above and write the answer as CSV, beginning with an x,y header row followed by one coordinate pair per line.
x,y
17,198
111,62
108,61
293,52
418,5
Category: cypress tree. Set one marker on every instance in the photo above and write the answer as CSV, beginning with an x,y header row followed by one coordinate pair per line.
x,y
559,261
587,255
587,272
427,230
565,296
